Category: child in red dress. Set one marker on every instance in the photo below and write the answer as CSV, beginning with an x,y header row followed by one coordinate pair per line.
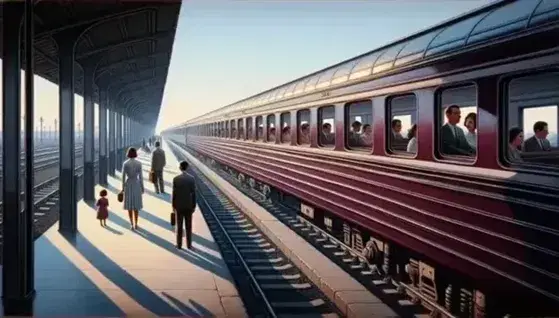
x,y
102,208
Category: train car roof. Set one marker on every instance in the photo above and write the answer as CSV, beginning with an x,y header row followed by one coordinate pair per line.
x,y
485,24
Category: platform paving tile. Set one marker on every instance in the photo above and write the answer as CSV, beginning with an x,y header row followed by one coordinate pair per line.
x,y
348,294
115,271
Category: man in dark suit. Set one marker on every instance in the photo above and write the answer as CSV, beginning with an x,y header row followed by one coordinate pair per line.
x,y
539,141
453,139
158,163
184,203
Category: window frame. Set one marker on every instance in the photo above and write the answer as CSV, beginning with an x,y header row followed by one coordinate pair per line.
x,y
259,137
438,121
503,83
319,124
388,126
298,124
268,126
347,125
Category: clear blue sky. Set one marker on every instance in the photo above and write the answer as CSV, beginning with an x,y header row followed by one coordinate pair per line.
x,y
225,51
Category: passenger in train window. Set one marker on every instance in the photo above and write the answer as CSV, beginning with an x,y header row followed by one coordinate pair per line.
x,y
286,134
516,138
412,137
326,136
470,122
354,137
272,134
397,141
249,131
453,139
260,133
367,136
305,135
233,133
539,141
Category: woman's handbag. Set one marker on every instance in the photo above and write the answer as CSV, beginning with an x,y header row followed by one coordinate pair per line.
x,y
173,218
152,176
120,196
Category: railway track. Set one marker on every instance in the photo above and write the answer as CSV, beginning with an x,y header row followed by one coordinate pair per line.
x,y
402,298
45,197
271,285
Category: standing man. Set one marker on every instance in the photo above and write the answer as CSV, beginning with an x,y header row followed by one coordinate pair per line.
x,y
157,164
184,203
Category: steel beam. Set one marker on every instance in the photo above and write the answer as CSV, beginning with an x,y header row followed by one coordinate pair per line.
x,y
88,128
118,141
17,268
103,164
140,39
107,68
28,237
68,205
112,133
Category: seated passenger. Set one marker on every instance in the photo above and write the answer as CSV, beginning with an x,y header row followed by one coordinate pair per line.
x,y
250,133
354,138
241,134
453,139
286,134
326,136
397,141
470,122
516,137
272,135
539,141
305,136
367,136
260,133
412,136
233,133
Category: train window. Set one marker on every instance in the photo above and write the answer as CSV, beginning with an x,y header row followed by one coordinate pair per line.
x,y
458,122
359,117
260,128
327,128
532,116
233,129
250,133
304,127
227,129
271,126
285,127
240,129
402,127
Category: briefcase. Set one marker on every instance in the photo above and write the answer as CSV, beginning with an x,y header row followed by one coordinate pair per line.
x,y
173,218
120,196
152,176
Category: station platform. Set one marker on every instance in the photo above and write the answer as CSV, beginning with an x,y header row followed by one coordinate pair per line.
x,y
115,271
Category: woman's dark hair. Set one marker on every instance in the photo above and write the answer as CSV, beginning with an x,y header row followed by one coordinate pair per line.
x,y
412,131
132,153
103,193
286,129
513,133
473,116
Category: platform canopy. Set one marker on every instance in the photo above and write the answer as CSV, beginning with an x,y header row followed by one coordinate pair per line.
x,y
126,44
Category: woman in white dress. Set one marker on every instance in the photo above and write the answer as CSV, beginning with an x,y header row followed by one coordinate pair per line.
x,y
133,186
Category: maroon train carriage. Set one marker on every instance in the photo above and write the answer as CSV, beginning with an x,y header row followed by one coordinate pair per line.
x,y
466,195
